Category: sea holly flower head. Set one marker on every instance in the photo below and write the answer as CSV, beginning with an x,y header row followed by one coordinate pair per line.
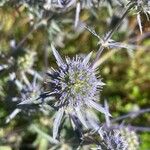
x,y
75,87
113,140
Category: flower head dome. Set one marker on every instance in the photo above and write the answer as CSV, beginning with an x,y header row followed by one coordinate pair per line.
x,y
75,87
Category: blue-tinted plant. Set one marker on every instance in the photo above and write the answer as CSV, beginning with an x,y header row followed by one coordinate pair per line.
x,y
113,140
72,90
28,99
75,88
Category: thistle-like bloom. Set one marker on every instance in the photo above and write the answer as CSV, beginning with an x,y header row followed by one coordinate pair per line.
x,y
113,140
75,88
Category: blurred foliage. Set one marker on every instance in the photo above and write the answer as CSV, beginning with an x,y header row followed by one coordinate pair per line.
x,y
127,77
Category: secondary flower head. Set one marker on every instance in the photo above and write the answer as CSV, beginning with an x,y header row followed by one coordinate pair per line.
x,y
75,88
113,140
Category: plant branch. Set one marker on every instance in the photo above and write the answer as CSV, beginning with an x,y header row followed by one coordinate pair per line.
x,y
109,35
131,115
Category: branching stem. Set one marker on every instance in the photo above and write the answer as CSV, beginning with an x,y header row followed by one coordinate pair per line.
x,y
109,35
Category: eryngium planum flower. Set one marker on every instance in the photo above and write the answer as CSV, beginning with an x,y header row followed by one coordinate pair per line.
x,y
75,88
113,140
